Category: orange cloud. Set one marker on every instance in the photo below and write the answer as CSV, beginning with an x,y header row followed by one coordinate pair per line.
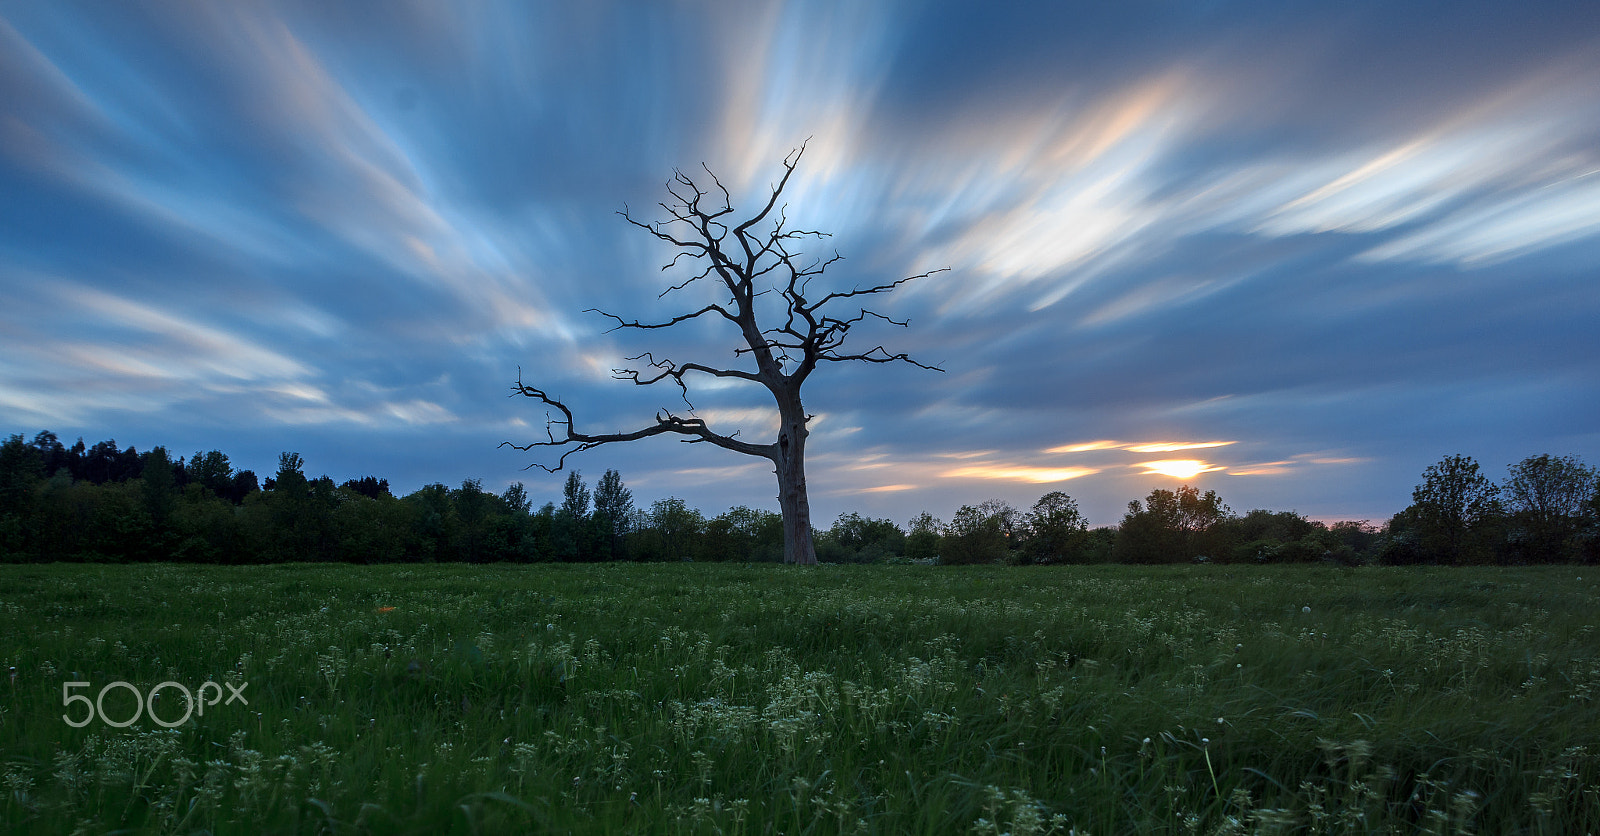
x,y
1021,473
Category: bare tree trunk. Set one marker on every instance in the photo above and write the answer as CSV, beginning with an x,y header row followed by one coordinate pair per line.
x,y
790,461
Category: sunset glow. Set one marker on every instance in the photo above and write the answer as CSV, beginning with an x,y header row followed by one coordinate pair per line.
x,y
1020,473
1178,468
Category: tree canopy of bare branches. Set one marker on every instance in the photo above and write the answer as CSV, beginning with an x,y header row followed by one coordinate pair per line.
x,y
742,261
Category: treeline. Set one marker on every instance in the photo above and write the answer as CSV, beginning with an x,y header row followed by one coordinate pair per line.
x,y
1547,510
103,503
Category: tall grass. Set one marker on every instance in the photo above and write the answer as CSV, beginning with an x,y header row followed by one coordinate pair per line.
x,y
762,699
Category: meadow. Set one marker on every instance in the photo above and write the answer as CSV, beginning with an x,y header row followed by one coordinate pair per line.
x,y
734,699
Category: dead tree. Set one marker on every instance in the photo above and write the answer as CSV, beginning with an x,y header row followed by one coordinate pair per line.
x,y
756,264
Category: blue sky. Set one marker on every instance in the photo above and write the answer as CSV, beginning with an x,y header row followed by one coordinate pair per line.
x,y
1332,243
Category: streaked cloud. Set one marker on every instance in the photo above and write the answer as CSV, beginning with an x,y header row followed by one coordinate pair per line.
x,y
1086,446
1019,473
1264,469
168,346
1172,446
1510,174
1366,234
1138,446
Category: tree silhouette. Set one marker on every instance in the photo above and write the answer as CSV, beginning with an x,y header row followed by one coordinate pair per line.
x,y
755,260
1549,498
1453,501
1057,530
613,508
1171,526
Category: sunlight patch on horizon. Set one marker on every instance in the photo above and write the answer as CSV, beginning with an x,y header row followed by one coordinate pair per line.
x,y
1178,468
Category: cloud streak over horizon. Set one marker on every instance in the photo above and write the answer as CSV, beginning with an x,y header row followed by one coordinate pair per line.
x,y
1303,251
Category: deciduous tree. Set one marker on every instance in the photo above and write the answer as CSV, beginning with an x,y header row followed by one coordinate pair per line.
x,y
1171,526
1453,502
613,509
978,533
1057,531
785,330
1548,497
922,537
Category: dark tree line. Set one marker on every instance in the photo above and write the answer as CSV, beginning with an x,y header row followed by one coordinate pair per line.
x,y
105,503
1547,510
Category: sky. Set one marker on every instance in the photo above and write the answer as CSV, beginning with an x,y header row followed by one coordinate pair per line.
x,y
1291,252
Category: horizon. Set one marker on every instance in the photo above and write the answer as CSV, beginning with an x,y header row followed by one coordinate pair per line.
x,y
538,500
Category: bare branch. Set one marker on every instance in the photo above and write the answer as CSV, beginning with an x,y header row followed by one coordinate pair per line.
x,y
878,354
676,372
882,288
686,282
727,200
666,422
789,164
645,326
655,229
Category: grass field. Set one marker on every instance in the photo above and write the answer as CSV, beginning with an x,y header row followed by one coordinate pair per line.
x,y
763,699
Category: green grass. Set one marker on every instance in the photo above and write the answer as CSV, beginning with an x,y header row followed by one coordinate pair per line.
x,y
764,699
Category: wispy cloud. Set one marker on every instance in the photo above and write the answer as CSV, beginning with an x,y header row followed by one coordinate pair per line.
x,y
1138,446
1019,473
1511,174
1242,235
